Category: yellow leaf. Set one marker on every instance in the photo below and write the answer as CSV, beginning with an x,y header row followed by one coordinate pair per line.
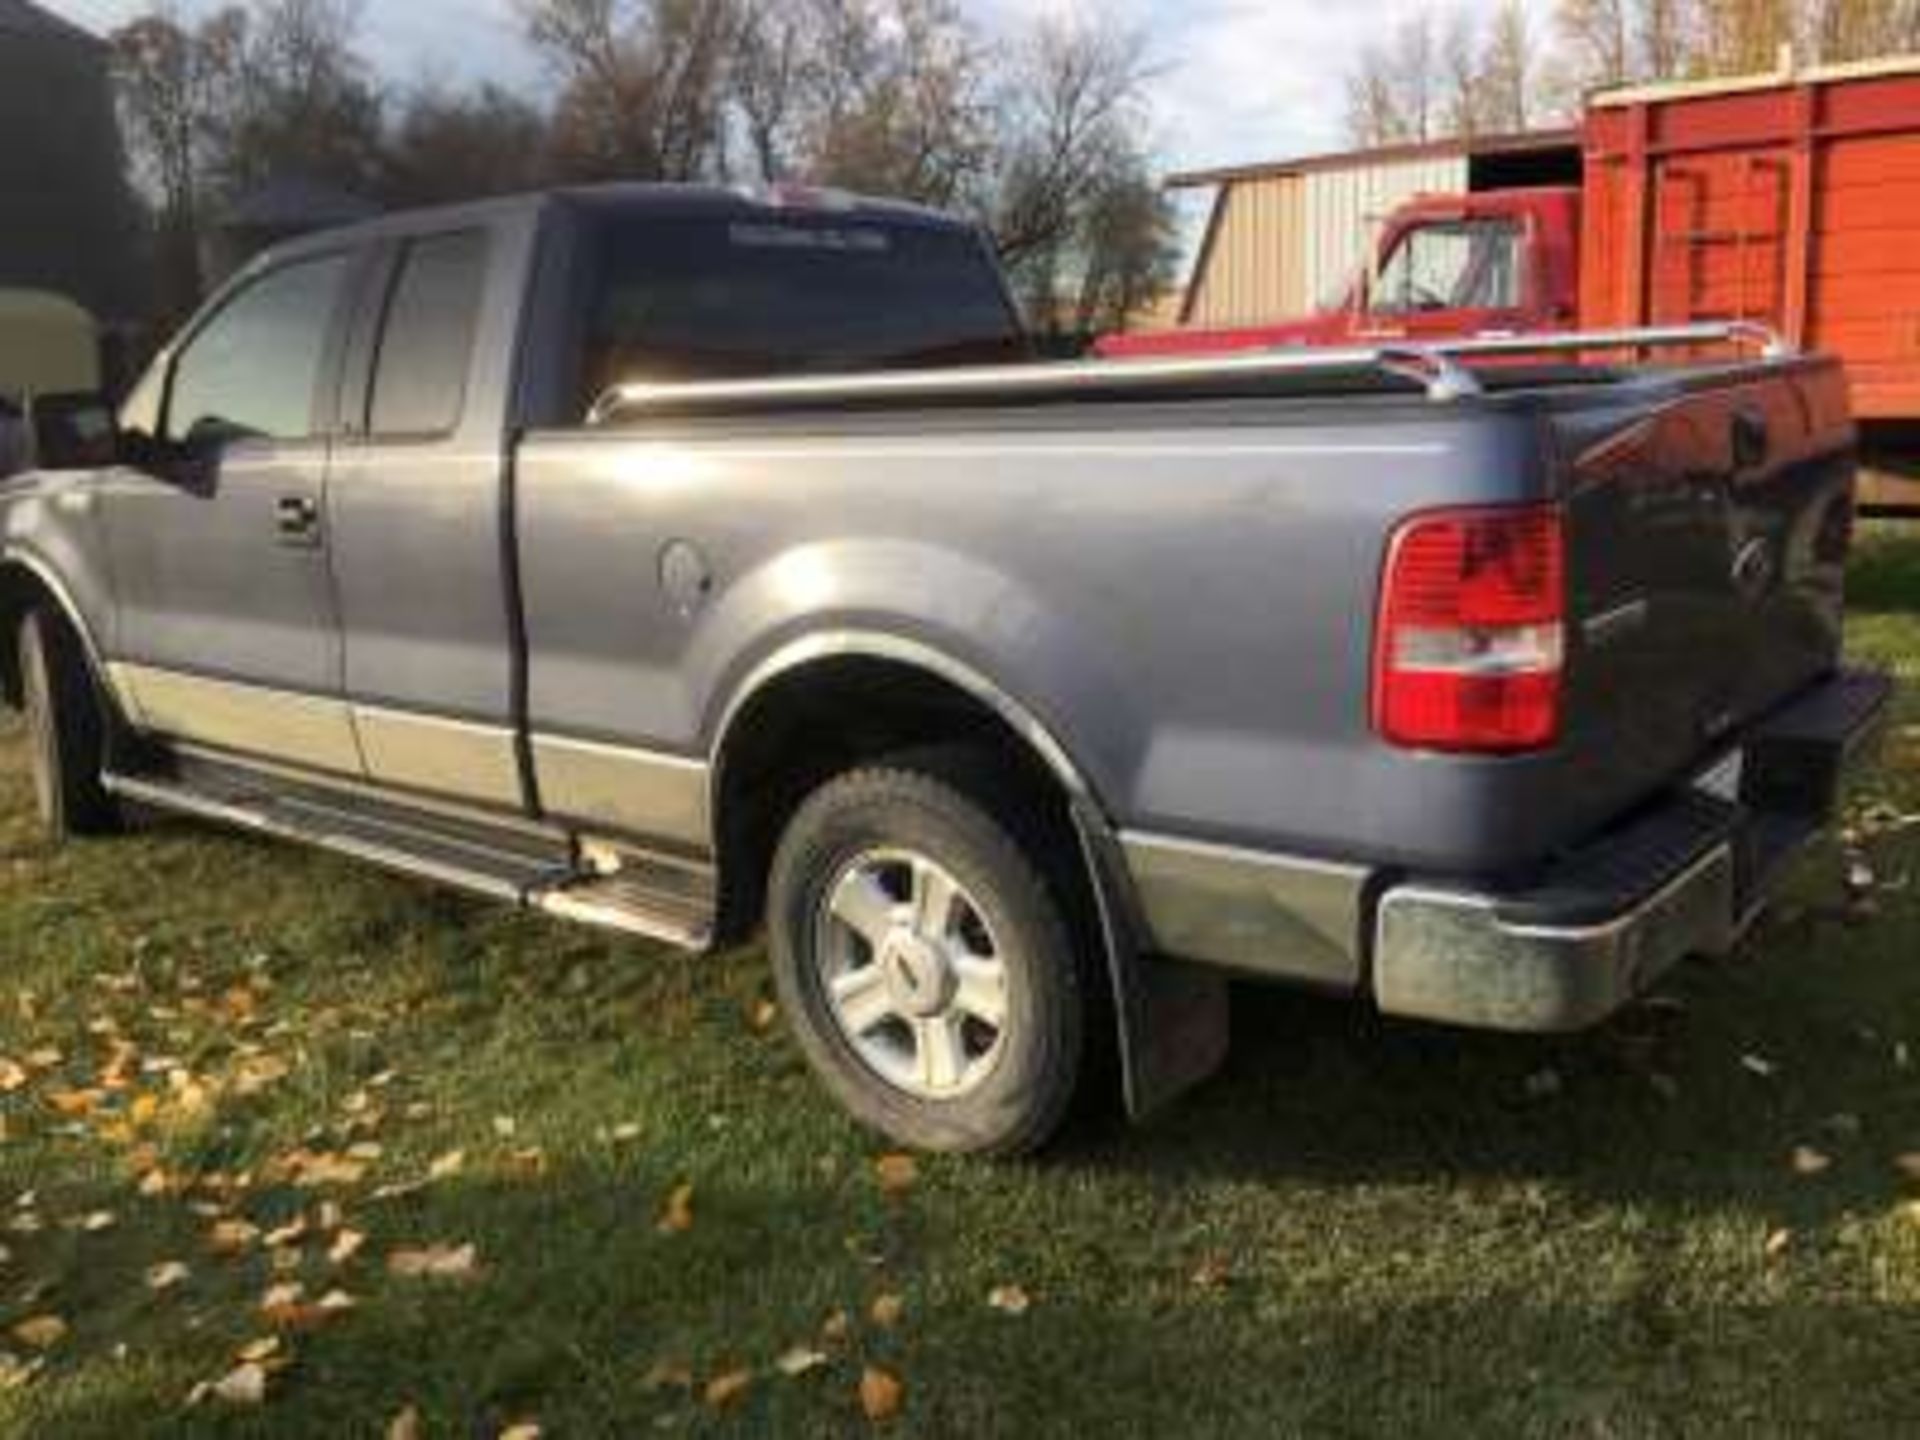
x,y
74,1102
763,1014
525,1430
42,1332
896,1173
1777,1242
345,1246
167,1274
836,1326
727,1388
1809,1161
255,1351
286,1234
887,1310
451,1163
1009,1299
367,1150
405,1425
97,1221
527,1163
142,1109
434,1262
12,1075
800,1360
230,1237
677,1218
44,1058
243,1385
667,1375
880,1394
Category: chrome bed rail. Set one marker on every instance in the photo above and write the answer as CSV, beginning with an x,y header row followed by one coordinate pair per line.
x,y
1435,365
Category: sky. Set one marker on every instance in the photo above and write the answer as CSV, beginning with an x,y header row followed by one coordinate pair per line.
x,y
1238,80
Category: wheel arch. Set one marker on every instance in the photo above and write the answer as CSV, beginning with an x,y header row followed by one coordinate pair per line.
x,y
25,581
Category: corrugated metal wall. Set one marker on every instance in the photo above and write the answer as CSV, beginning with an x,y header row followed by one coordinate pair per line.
x,y
1284,244
1342,211
1257,261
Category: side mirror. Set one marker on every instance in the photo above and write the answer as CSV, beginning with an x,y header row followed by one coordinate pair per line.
x,y
73,431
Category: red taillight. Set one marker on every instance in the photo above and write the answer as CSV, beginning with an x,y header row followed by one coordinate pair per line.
x,y
1470,643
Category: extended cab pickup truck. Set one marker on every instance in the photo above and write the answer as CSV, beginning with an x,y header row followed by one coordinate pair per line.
x,y
545,548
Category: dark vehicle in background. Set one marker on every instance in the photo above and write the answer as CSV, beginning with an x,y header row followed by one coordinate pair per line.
x,y
672,559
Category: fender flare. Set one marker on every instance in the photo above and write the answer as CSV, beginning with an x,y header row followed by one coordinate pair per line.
x,y
15,556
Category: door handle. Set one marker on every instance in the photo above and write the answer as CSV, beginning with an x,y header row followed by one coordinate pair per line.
x,y
297,520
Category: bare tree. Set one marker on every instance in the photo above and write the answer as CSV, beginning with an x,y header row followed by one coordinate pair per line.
x,y
173,82
305,102
1396,93
1463,104
642,86
1510,71
448,146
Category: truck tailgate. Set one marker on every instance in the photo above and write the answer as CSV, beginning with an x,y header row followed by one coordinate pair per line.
x,y
1706,547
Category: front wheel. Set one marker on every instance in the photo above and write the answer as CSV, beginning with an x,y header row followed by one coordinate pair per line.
x,y
66,730
923,953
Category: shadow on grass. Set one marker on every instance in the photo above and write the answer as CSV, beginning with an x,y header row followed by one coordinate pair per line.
x,y
1885,570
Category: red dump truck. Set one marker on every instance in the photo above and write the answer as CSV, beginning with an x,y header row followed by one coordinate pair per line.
x,y
1788,199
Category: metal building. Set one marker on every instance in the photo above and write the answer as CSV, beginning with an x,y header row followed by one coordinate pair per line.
x,y
1287,236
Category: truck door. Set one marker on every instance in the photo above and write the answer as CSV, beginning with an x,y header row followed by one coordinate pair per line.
x,y
225,629
1449,277
415,507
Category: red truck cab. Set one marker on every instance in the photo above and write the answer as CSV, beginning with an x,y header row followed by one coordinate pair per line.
x,y
1446,266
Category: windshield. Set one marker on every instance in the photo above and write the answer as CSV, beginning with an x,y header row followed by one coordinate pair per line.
x,y
744,295
1452,265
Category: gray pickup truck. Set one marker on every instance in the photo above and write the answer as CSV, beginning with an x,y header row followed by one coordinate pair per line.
x,y
675,558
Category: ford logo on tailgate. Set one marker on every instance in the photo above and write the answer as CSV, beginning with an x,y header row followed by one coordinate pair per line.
x,y
1753,569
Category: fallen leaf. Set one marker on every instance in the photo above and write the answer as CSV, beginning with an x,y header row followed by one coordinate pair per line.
x,y
243,1385
727,1388
74,1102
167,1274
896,1173
313,1171
887,1310
231,1237
1809,1161
12,1075
405,1425
677,1217
763,1014
667,1375
345,1246
880,1394
451,1163
15,1372
295,1229
258,1350
836,1326
95,1221
435,1262
800,1360
525,1430
1009,1299
1212,1273
504,1126
42,1332
527,1163
1777,1243
630,1130
366,1151
44,1058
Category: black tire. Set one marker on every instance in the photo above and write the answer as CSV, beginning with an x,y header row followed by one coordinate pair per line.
x,y
948,808
66,730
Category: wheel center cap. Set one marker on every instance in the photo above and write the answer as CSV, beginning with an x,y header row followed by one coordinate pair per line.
x,y
918,977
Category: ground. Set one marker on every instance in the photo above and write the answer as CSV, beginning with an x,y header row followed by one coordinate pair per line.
x,y
1704,1218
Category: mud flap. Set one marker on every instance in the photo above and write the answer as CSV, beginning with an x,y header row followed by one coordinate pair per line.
x,y
1172,1017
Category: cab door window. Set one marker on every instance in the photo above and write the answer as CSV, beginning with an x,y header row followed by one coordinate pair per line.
x,y
254,370
1451,265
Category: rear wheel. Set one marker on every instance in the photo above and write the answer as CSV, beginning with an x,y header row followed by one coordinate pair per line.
x,y
66,730
925,958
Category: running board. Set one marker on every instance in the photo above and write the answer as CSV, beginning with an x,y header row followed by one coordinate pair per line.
x,y
638,894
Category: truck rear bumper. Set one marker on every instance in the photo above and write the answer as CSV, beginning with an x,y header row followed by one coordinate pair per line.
x,y
1683,878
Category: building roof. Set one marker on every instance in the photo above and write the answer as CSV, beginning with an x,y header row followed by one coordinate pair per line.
x,y
19,17
1525,142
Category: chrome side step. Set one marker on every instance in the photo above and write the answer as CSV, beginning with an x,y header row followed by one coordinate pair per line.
x,y
668,901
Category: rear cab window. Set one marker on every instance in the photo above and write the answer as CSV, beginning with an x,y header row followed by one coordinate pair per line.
x,y
426,341
763,292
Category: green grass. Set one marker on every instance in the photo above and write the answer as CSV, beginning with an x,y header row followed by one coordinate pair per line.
x,y
1358,1228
